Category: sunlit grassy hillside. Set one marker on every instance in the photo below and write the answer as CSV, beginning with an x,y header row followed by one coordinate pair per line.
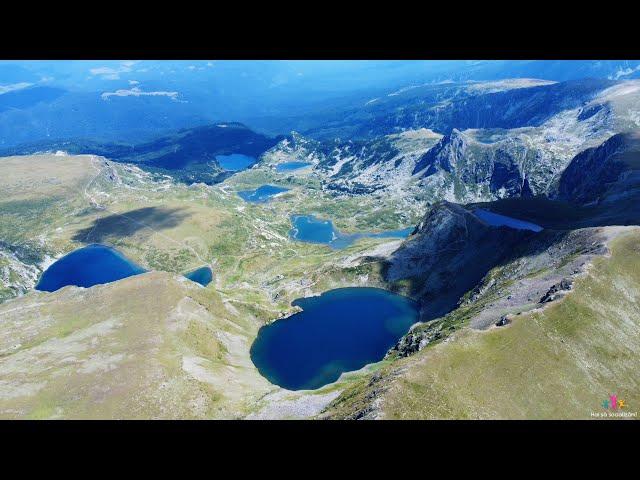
x,y
561,362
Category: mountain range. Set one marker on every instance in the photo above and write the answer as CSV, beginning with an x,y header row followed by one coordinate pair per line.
x,y
518,196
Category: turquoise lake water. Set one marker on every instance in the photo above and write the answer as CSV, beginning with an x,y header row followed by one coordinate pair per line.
x,y
308,228
261,194
235,162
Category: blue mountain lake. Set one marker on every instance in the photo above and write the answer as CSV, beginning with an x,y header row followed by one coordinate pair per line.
x,y
96,264
498,220
88,266
289,166
235,162
202,275
340,331
261,194
307,228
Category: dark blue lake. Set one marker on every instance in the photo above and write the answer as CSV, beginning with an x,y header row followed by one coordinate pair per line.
x,y
498,220
202,275
340,331
261,194
308,228
288,166
235,161
96,264
88,266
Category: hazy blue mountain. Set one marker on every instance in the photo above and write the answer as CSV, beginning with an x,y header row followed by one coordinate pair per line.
x,y
188,155
137,100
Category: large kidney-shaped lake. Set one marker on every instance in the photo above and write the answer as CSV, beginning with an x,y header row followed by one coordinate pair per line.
x,y
340,331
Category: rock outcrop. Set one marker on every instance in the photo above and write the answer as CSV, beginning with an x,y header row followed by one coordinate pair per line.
x,y
450,252
606,173
482,170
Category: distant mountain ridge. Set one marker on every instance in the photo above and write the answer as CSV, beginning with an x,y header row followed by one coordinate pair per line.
x,y
442,107
476,164
189,155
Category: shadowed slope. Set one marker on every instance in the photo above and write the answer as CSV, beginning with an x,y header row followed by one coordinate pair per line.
x,y
127,224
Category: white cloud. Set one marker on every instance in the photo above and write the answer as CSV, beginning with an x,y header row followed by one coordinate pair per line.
x,y
112,73
137,92
13,86
133,82
623,72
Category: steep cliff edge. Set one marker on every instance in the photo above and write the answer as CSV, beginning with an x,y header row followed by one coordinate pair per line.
x,y
604,174
450,251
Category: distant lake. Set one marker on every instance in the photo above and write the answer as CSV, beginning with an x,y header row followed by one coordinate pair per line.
x,y
91,265
235,162
498,220
288,166
340,331
202,275
307,228
97,264
261,194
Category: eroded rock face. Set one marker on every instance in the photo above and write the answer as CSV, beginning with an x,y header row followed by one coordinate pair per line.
x,y
509,167
416,340
356,167
607,172
557,290
450,252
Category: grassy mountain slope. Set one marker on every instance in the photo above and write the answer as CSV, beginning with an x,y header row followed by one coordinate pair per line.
x,y
558,362
149,346
561,362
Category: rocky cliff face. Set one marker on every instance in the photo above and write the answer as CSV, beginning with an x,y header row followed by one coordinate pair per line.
x,y
605,173
479,170
357,167
476,164
448,254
